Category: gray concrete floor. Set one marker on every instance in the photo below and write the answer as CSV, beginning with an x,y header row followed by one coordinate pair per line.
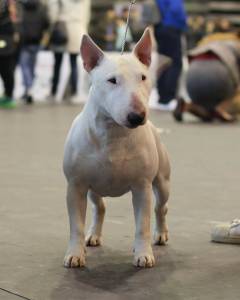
x,y
34,225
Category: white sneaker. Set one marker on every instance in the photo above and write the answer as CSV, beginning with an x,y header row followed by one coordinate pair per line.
x,y
51,99
228,233
163,107
77,99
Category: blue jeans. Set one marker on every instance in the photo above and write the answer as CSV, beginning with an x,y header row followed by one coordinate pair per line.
x,y
169,44
28,59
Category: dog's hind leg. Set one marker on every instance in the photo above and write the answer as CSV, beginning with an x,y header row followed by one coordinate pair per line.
x,y
161,191
77,205
94,234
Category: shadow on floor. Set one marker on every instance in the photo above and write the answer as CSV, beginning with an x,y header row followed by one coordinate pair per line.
x,y
112,273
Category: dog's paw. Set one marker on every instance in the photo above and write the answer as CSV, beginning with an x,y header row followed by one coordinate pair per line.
x,y
144,260
160,238
75,261
93,240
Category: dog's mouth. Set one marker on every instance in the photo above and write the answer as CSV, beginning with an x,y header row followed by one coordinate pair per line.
x,y
133,126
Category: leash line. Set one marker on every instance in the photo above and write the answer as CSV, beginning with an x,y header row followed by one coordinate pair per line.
x,y
127,25
15,294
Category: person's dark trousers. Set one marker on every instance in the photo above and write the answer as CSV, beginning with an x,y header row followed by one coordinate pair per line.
x,y
169,44
74,73
58,57
7,67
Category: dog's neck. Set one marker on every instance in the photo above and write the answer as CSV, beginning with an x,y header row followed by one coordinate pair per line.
x,y
100,124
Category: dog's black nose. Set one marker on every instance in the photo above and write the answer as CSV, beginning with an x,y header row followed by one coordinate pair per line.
x,y
136,119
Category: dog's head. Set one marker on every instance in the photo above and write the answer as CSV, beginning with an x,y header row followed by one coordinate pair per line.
x,y
122,84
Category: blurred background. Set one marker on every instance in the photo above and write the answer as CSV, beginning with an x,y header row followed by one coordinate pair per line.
x,y
48,69
204,16
195,72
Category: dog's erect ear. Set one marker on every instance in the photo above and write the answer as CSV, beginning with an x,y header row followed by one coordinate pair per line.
x,y
143,49
91,53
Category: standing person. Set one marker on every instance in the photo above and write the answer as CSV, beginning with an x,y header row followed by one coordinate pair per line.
x,y
8,42
121,29
168,34
106,25
110,30
33,25
75,15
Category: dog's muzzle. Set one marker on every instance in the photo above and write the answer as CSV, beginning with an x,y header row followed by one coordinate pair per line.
x,y
135,120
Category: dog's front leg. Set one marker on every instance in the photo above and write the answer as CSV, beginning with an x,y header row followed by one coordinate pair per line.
x,y
143,254
77,205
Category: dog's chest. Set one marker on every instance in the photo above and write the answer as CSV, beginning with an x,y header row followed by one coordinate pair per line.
x,y
114,169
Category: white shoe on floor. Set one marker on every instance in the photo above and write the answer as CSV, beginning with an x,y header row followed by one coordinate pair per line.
x,y
228,233
77,99
163,107
51,99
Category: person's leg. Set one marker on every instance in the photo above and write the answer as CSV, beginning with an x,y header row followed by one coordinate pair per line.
x,y
33,60
200,112
7,67
1,75
9,81
192,108
74,73
32,65
7,73
169,44
25,58
28,62
224,116
58,57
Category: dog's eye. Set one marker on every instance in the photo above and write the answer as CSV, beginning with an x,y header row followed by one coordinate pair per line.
x,y
144,77
113,80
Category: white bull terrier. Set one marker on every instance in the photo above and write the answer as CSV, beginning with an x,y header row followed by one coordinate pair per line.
x,y
112,149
